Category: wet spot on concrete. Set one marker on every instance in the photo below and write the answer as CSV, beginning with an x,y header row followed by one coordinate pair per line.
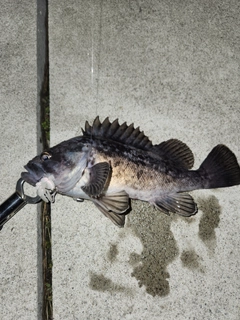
x,y
134,259
159,248
112,253
100,283
189,220
209,220
191,260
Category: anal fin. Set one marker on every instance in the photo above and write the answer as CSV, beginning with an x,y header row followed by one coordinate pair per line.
x,y
180,203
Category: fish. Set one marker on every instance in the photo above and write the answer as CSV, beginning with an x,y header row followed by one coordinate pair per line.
x,y
112,163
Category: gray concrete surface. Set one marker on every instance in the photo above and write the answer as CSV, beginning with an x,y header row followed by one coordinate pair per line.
x,y
172,68
18,82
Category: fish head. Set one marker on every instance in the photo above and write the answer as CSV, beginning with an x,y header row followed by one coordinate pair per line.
x,y
57,169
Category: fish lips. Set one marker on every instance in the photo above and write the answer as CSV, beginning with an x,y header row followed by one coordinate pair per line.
x,y
34,173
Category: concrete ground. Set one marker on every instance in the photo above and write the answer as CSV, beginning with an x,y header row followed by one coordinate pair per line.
x,y
18,81
172,68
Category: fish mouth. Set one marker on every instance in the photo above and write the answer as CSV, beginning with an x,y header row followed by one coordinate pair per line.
x,y
34,173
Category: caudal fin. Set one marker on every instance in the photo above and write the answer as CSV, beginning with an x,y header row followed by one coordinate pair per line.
x,y
220,169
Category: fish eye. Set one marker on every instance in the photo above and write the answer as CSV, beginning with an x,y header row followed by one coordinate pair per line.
x,y
45,156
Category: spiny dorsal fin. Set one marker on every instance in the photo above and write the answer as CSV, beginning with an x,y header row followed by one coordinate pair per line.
x,y
177,151
123,133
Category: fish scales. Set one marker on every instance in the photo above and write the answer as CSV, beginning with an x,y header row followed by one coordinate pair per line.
x,y
112,163
130,167
137,169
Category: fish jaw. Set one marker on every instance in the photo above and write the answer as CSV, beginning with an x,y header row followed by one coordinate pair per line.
x,y
34,173
36,176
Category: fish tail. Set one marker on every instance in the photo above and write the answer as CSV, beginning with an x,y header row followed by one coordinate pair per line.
x,y
220,169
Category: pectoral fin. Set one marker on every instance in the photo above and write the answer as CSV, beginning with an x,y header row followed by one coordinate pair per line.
x,y
180,203
96,177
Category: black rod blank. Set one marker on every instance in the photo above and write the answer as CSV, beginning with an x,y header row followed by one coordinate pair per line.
x,y
11,206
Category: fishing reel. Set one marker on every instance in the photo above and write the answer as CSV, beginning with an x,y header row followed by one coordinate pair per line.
x,y
15,203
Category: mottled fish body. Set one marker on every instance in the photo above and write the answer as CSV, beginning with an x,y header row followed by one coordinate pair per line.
x,y
111,163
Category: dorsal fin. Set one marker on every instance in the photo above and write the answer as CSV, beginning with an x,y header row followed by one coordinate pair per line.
x,y
177,151
123,133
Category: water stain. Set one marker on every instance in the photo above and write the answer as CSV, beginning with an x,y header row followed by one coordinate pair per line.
x,y
159,248
99,282
112,253
191,260
209,220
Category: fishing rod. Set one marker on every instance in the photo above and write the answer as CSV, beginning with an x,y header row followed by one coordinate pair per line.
x,y
15,203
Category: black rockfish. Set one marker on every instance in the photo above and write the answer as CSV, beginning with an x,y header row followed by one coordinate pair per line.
x,y
111,163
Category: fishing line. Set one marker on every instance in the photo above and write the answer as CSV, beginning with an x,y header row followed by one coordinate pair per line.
x,y
92,56
96,54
